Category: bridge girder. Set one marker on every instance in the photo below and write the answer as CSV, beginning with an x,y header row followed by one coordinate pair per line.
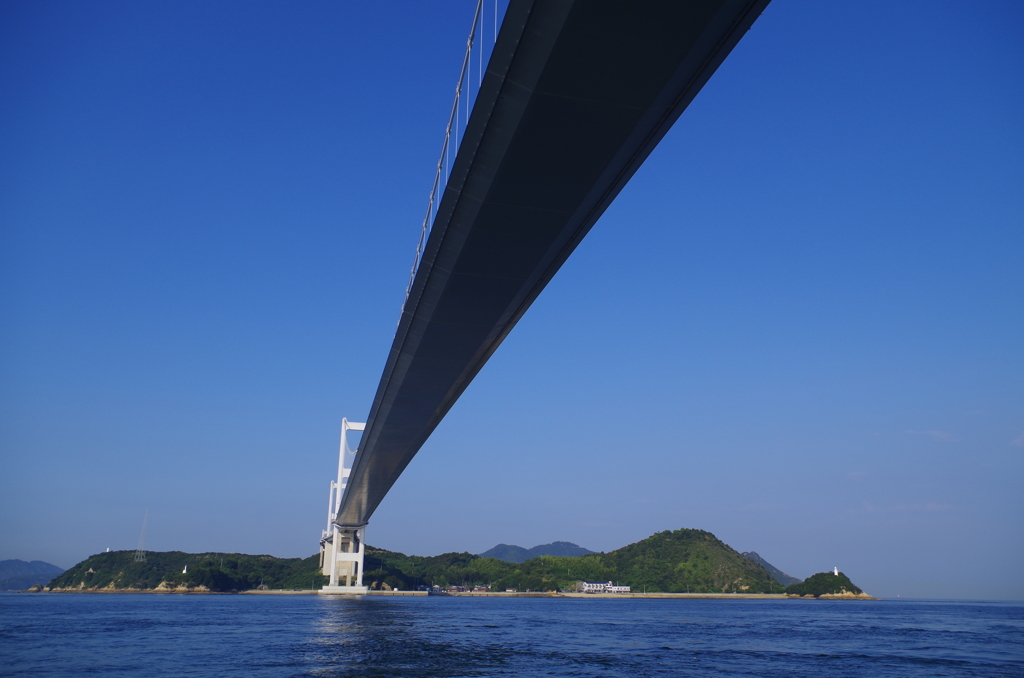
x,y
576,95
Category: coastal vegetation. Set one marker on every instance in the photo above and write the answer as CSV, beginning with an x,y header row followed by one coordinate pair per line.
x,y
678,561
118,570
668,562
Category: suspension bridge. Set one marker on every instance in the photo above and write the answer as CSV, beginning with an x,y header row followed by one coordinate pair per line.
x,y
552,116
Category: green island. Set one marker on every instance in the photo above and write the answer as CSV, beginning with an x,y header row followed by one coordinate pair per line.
x,y
679,561
169,570
828,584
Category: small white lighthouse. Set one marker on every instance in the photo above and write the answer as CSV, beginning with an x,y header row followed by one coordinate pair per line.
x,y
835,571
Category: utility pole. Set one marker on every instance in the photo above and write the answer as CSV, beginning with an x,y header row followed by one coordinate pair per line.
x,y
140,552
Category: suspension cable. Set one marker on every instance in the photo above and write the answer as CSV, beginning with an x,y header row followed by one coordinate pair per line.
x,y
443,166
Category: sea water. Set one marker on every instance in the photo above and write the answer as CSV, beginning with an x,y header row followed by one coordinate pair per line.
x,y
279,635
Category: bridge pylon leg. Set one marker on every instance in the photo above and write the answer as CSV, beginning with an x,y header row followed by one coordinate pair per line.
x,y
342,548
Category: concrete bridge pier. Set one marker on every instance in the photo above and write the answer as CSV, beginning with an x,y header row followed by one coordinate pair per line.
x,y
341,556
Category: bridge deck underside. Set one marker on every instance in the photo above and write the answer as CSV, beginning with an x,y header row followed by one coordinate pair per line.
x,y
576,95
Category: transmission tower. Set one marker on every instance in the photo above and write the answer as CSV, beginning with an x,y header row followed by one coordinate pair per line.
x,y
140,553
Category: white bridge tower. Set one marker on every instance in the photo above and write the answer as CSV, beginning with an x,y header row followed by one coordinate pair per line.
x,y
342,548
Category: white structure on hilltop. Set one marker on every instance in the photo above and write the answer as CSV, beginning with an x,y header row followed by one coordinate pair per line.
x,y
835,571
342,548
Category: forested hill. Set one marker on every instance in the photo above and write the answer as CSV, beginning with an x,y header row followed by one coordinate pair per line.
x,y
672,561
16,575
211,571
775,572
510,553
689,560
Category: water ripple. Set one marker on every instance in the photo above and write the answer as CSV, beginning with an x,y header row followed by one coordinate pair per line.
x,y
44,635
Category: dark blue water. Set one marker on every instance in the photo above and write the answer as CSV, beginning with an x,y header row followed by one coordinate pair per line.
x,y
180,635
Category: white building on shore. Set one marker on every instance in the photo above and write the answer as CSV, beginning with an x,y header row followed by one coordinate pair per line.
x,y
599,587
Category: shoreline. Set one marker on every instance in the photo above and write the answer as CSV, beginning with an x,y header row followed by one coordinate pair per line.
x,y
496,594
671,596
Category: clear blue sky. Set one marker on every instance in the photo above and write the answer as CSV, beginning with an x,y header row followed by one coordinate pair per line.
x,y
800,327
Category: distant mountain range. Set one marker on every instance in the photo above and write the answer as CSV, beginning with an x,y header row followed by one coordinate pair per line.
x,y
775,572
511,553
18,575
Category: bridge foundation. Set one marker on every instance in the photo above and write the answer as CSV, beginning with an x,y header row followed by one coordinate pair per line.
x,y
341,556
